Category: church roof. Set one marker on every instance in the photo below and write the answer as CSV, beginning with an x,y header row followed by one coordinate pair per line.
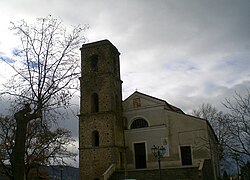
x,y
155,101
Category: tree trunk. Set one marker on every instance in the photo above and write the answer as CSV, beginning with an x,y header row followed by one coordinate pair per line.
x,y
18,154
17,161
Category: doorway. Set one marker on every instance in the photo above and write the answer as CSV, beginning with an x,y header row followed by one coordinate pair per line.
x,y
140,155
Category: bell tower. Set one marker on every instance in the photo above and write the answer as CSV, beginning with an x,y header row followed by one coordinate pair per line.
x,y
101,137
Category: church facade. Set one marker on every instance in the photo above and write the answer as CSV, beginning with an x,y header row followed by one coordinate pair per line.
x,y
116,137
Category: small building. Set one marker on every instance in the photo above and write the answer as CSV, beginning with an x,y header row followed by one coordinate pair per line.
x,y
117,137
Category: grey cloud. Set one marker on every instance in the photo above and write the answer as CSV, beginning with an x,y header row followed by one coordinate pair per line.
x,y
185,52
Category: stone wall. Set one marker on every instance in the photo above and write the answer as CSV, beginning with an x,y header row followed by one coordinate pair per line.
x,y
191,173
101,140
185,173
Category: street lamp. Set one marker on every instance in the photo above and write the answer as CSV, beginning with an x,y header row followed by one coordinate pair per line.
x,y
37,164
158,153
236,158
61,169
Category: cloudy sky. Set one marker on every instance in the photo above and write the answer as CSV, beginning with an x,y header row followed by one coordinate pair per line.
x,y
187,52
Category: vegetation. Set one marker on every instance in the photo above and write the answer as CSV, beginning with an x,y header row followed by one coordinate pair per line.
x,y
232,128
43,146
47,70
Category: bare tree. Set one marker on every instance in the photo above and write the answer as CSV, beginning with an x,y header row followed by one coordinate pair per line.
x,y
42,146
232,129
7,129
47,68
239,108
218,120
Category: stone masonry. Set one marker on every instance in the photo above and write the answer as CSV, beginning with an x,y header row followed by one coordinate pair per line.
x,y
100,127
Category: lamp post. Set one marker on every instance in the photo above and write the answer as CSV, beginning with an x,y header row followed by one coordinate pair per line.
x,y
37,170
61,169
236,158
37,164
158,153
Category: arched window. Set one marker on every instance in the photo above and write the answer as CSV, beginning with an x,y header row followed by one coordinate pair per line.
x,y
94,62
95,138
94,103
115,66
139,123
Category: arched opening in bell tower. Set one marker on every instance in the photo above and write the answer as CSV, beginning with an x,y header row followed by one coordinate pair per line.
x,y
95,138
94,62
94,103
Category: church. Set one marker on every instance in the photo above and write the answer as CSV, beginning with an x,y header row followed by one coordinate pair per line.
x,y
141,137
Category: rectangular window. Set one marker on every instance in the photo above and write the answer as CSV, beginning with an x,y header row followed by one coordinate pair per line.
x,y
186,155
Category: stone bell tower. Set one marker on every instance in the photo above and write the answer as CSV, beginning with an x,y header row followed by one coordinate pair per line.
x,y
101,137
